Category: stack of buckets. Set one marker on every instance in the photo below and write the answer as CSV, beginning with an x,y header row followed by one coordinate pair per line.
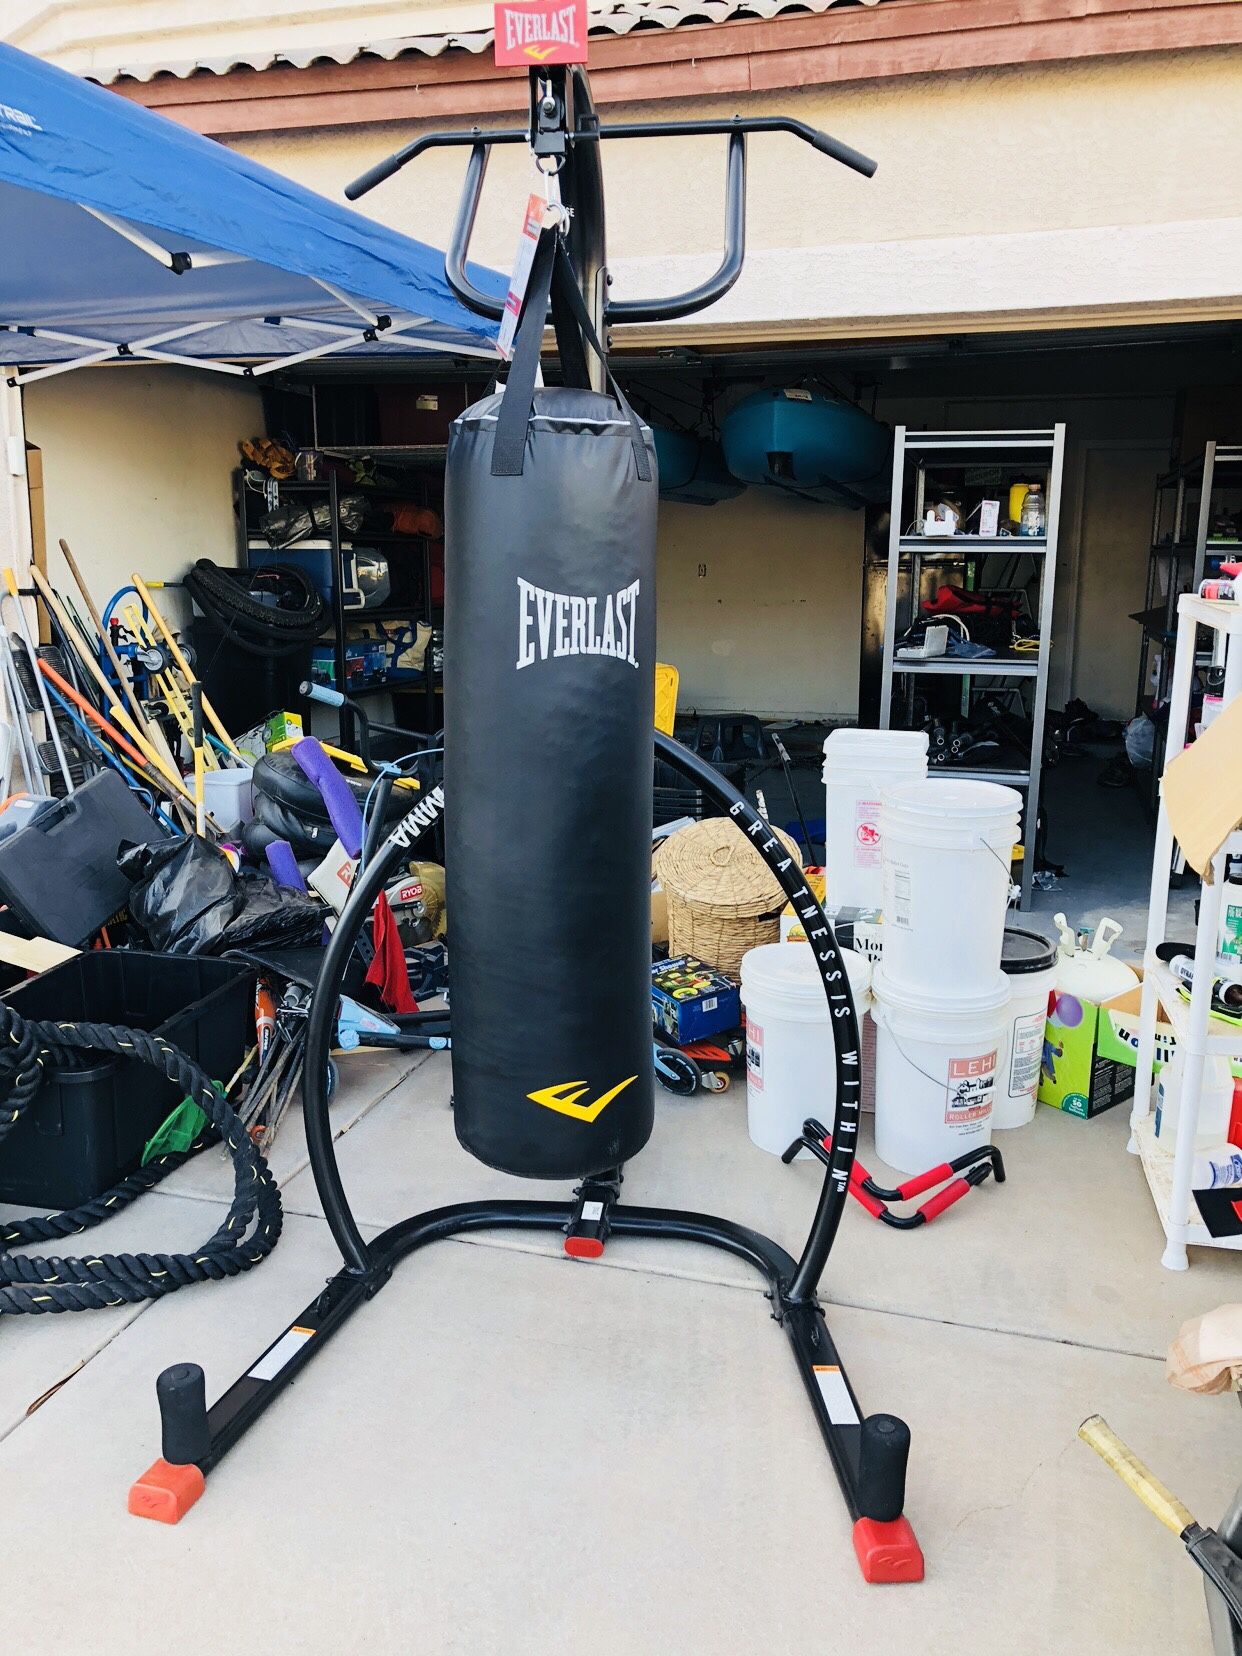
x,y
958,1036
941,1002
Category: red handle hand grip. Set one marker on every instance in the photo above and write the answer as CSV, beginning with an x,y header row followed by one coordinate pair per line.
x,y
945,1198
924,1181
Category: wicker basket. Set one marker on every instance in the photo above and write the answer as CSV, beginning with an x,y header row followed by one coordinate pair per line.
x,y
723,899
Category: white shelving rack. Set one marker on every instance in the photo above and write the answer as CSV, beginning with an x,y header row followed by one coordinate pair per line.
x,y
1199,1035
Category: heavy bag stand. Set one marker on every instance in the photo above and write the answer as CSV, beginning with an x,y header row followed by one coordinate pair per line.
x,y
869,1453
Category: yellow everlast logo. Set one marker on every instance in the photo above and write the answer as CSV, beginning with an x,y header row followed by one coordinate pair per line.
x,y
565,1095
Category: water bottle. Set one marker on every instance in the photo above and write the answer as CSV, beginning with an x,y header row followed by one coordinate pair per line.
x,y
1033,519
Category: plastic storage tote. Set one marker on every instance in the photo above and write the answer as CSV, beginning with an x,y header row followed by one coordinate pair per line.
x,y
90,1121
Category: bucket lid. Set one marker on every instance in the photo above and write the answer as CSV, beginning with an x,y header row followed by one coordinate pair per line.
x,y
791,970
960,1006
945,800
1026,951
854,744
714,865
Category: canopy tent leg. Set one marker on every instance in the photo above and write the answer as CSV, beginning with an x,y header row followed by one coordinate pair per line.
x,y
16,534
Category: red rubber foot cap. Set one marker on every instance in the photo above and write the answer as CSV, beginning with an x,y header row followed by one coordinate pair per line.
x,y
166,1492
584,1247
888,1552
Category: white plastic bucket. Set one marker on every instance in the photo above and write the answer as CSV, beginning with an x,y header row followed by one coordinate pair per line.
x,y
229,795
859,766
937,1067
1029,961
947,850
791,1062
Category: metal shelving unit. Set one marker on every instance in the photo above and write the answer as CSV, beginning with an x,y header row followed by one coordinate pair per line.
x,y
1170,1177
1183,553
422,459
1025,456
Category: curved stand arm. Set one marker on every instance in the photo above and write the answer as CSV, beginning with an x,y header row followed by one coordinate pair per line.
x,y
842,1016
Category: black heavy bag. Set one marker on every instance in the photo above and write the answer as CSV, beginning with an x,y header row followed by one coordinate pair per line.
x,y
550,519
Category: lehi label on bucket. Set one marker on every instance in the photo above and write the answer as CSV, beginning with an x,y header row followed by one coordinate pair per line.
x,y
898,901
1026,1052
754,1055
968,1095
866,833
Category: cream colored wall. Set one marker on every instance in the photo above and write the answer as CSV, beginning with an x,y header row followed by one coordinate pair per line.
x,y
137,465
759,602
1110,142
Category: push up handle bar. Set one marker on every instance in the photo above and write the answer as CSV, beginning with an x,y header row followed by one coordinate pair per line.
x,y
587,132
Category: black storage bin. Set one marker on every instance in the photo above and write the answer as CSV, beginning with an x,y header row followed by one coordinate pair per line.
x,y
90,1121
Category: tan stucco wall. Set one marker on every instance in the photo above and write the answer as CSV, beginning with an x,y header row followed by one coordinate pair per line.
x,y
968,163
137,468
759,604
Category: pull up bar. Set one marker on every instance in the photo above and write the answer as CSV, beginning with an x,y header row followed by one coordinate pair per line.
x,y
735,128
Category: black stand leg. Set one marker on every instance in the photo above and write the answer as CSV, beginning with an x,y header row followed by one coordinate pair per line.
x,y
868,1455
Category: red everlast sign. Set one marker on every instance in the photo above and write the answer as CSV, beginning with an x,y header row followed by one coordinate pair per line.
x,y
541,31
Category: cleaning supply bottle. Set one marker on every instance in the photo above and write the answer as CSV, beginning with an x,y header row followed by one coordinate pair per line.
x,y
1215,1102
1218,1168
1090,973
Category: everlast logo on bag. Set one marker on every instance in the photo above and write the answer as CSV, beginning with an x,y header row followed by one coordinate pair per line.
x,y
567,624
545,32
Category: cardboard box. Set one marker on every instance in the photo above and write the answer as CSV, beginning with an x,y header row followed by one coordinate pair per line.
x,y
1121,1037
690,1001
1081,1072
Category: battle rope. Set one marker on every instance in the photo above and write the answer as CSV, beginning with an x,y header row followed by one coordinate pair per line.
x,y
33,1284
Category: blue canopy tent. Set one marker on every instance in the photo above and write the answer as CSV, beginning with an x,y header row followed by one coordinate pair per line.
x,y
127,236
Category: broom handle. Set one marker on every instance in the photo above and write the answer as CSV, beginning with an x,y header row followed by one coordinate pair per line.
x,y
115,710
127,689
1099,1435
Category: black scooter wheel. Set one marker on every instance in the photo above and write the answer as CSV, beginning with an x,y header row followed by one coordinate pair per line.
x,y
677,1072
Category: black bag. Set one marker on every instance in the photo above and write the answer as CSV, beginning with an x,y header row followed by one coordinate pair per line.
x,y
550,515
188,900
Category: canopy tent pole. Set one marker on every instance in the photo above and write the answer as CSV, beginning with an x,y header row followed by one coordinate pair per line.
x,y
16,535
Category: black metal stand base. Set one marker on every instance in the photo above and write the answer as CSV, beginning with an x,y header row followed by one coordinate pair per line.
x,y
868,1453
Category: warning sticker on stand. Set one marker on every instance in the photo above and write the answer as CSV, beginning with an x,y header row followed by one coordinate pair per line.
x,y
282,1353
968,1096
836,1395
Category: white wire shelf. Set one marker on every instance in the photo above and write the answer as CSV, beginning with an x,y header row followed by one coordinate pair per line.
x,y
1224,1040
1158,1170
970,667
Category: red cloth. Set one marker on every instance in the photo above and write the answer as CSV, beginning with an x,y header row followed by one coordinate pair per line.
x,y
387,971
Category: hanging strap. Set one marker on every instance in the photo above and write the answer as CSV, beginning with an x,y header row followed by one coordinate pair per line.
x,y
552,280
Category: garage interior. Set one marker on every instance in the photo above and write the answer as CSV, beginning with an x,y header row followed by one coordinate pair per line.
x,y
771,605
